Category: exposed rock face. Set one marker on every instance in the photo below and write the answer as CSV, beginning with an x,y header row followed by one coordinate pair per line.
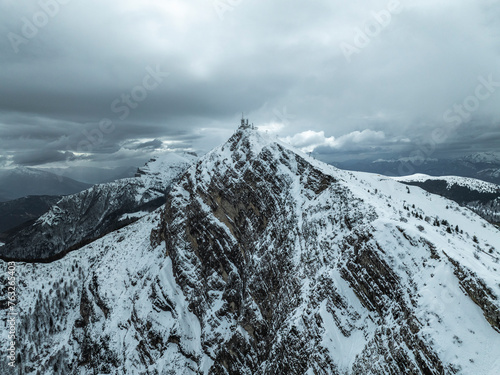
x,y
254,243
81,218
479,292
264,261
264,222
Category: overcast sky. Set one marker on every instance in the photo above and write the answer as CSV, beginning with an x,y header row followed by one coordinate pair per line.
x,y
86,82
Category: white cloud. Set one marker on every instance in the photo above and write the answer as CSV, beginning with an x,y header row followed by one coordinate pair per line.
x,y
309,140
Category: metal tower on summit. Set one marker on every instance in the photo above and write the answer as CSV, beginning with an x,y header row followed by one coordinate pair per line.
x,y
245,124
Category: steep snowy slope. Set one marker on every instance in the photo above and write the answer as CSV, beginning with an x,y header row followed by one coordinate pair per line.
x,y
265,261
481,197
97,308
80,218
470,183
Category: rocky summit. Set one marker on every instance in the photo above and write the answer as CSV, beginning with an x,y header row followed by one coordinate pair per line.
x,y
264,260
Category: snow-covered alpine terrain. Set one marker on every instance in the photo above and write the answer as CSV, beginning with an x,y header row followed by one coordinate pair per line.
x,y
267,261
80,218
470,183
479,196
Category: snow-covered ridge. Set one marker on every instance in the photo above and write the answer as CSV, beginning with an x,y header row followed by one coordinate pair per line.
x,y
150,183
94,212
404,160
483,157
471,183
162,169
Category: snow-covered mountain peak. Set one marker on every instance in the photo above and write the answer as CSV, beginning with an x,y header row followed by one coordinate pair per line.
x,y
245,140
272,247
249,146
266,261
162,170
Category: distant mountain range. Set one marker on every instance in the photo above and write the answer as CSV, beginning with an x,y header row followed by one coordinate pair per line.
x,y
483,157
483,166
24,210
21,182
28,193
95,175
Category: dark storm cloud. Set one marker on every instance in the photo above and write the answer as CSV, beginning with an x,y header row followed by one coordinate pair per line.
x,y
41,157
180,73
